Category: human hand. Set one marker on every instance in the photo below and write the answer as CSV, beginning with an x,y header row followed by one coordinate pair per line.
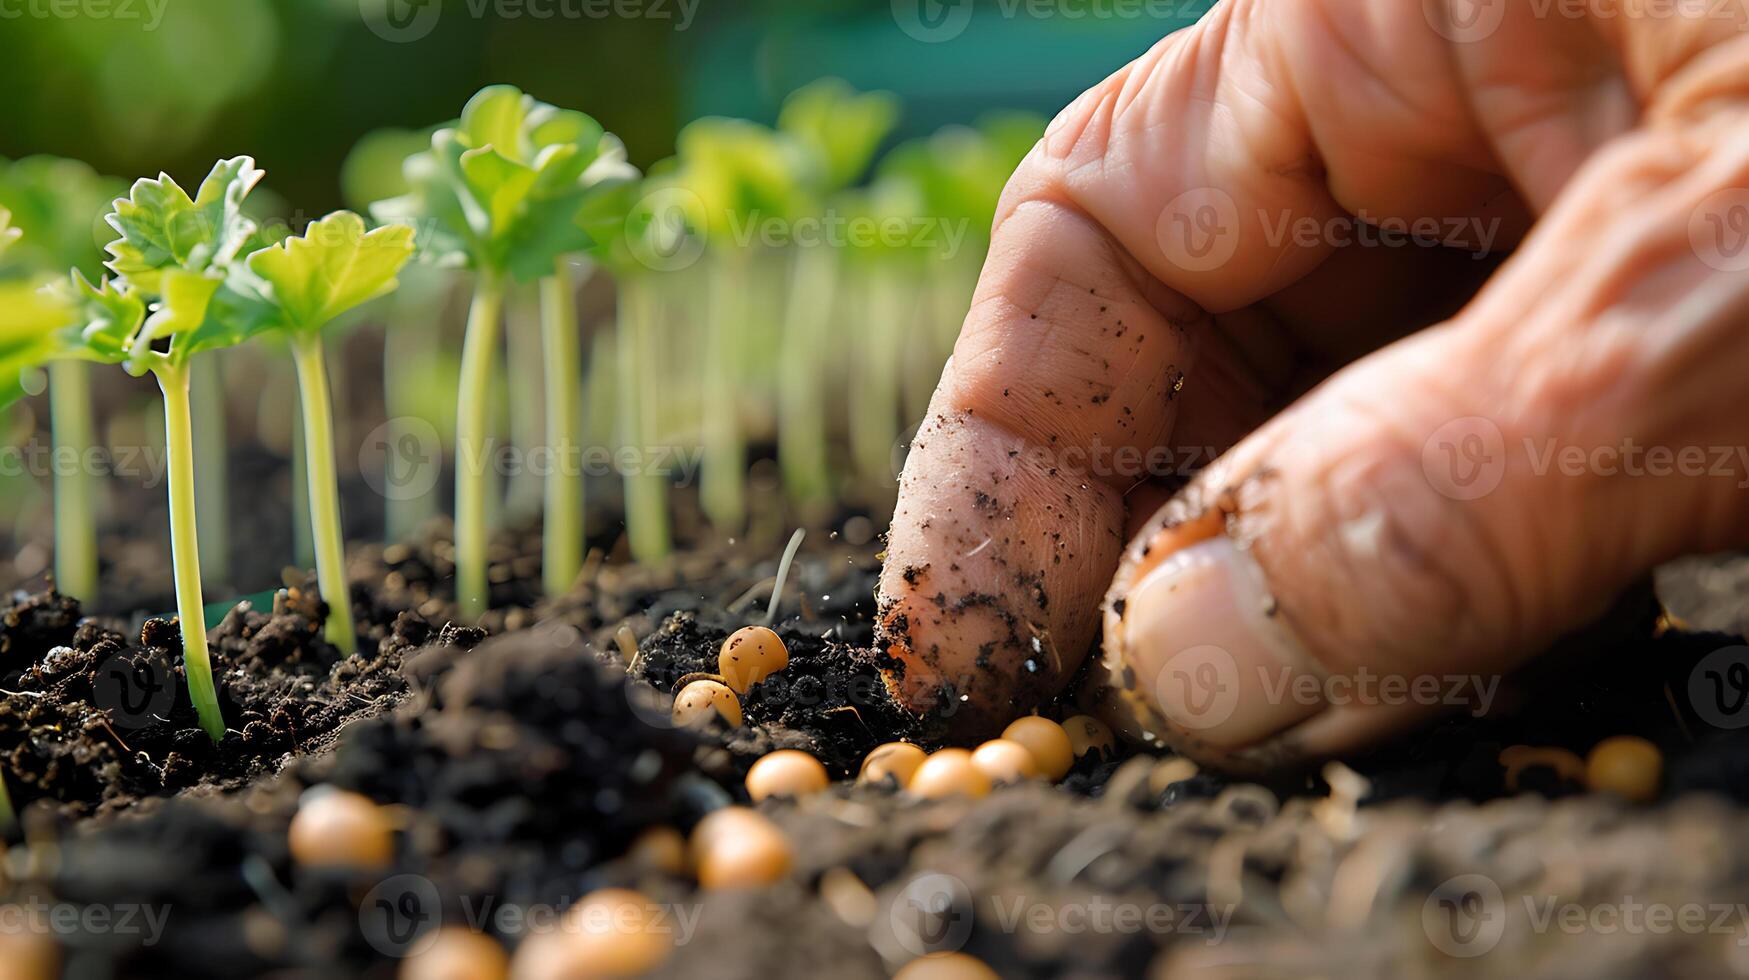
x,y
1493,450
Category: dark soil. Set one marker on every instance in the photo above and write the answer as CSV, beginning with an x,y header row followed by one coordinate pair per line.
x,y
522,761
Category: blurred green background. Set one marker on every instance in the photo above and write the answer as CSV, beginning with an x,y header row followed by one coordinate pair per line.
x,y
137,86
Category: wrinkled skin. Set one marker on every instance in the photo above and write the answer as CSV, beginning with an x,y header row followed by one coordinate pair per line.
x,y
1140,295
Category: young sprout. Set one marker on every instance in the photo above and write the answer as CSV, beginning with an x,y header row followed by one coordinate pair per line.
x,y
786,772
175,253
53,202
305,283
950,772
896,761
1050,746
511,189
789,555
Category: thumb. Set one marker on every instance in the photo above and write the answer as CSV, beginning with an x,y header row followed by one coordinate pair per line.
x,y
1437,513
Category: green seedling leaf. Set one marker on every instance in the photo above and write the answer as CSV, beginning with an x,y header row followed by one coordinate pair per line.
x,y
514,185
840,126
162,227
744,172
335,266
55,203
375,169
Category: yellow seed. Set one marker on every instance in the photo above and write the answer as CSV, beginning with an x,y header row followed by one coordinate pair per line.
x,y
611,933
1628,766
786,772
1089,734
750,655
738,848
1005,762
897,761
700,701
455,953
1047,741
661,848
946,966
339,829
950,772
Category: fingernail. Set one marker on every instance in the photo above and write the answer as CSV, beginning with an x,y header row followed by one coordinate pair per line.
x,y
1201,636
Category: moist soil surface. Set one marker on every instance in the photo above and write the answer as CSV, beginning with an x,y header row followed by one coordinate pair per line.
x,y
520,760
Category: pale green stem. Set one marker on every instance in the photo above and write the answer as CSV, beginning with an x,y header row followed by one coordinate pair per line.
x,y
527,361
303,539
472,435
562,529
75,497
723,491
212,483
646,494
324,489
801,430
185,548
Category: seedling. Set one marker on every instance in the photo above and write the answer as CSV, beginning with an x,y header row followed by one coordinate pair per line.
x,y
511,189
53,202
306,283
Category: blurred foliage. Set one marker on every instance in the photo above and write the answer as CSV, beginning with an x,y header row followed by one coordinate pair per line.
x,y
177,83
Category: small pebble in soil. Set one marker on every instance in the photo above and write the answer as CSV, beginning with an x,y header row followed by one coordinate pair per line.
x,y
786,772
660,848
613,932
949,772
739,848
334,828
1049,744
750,655
700,701
456,953
1088,734
1005,762
1626,765
946,966
894,761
